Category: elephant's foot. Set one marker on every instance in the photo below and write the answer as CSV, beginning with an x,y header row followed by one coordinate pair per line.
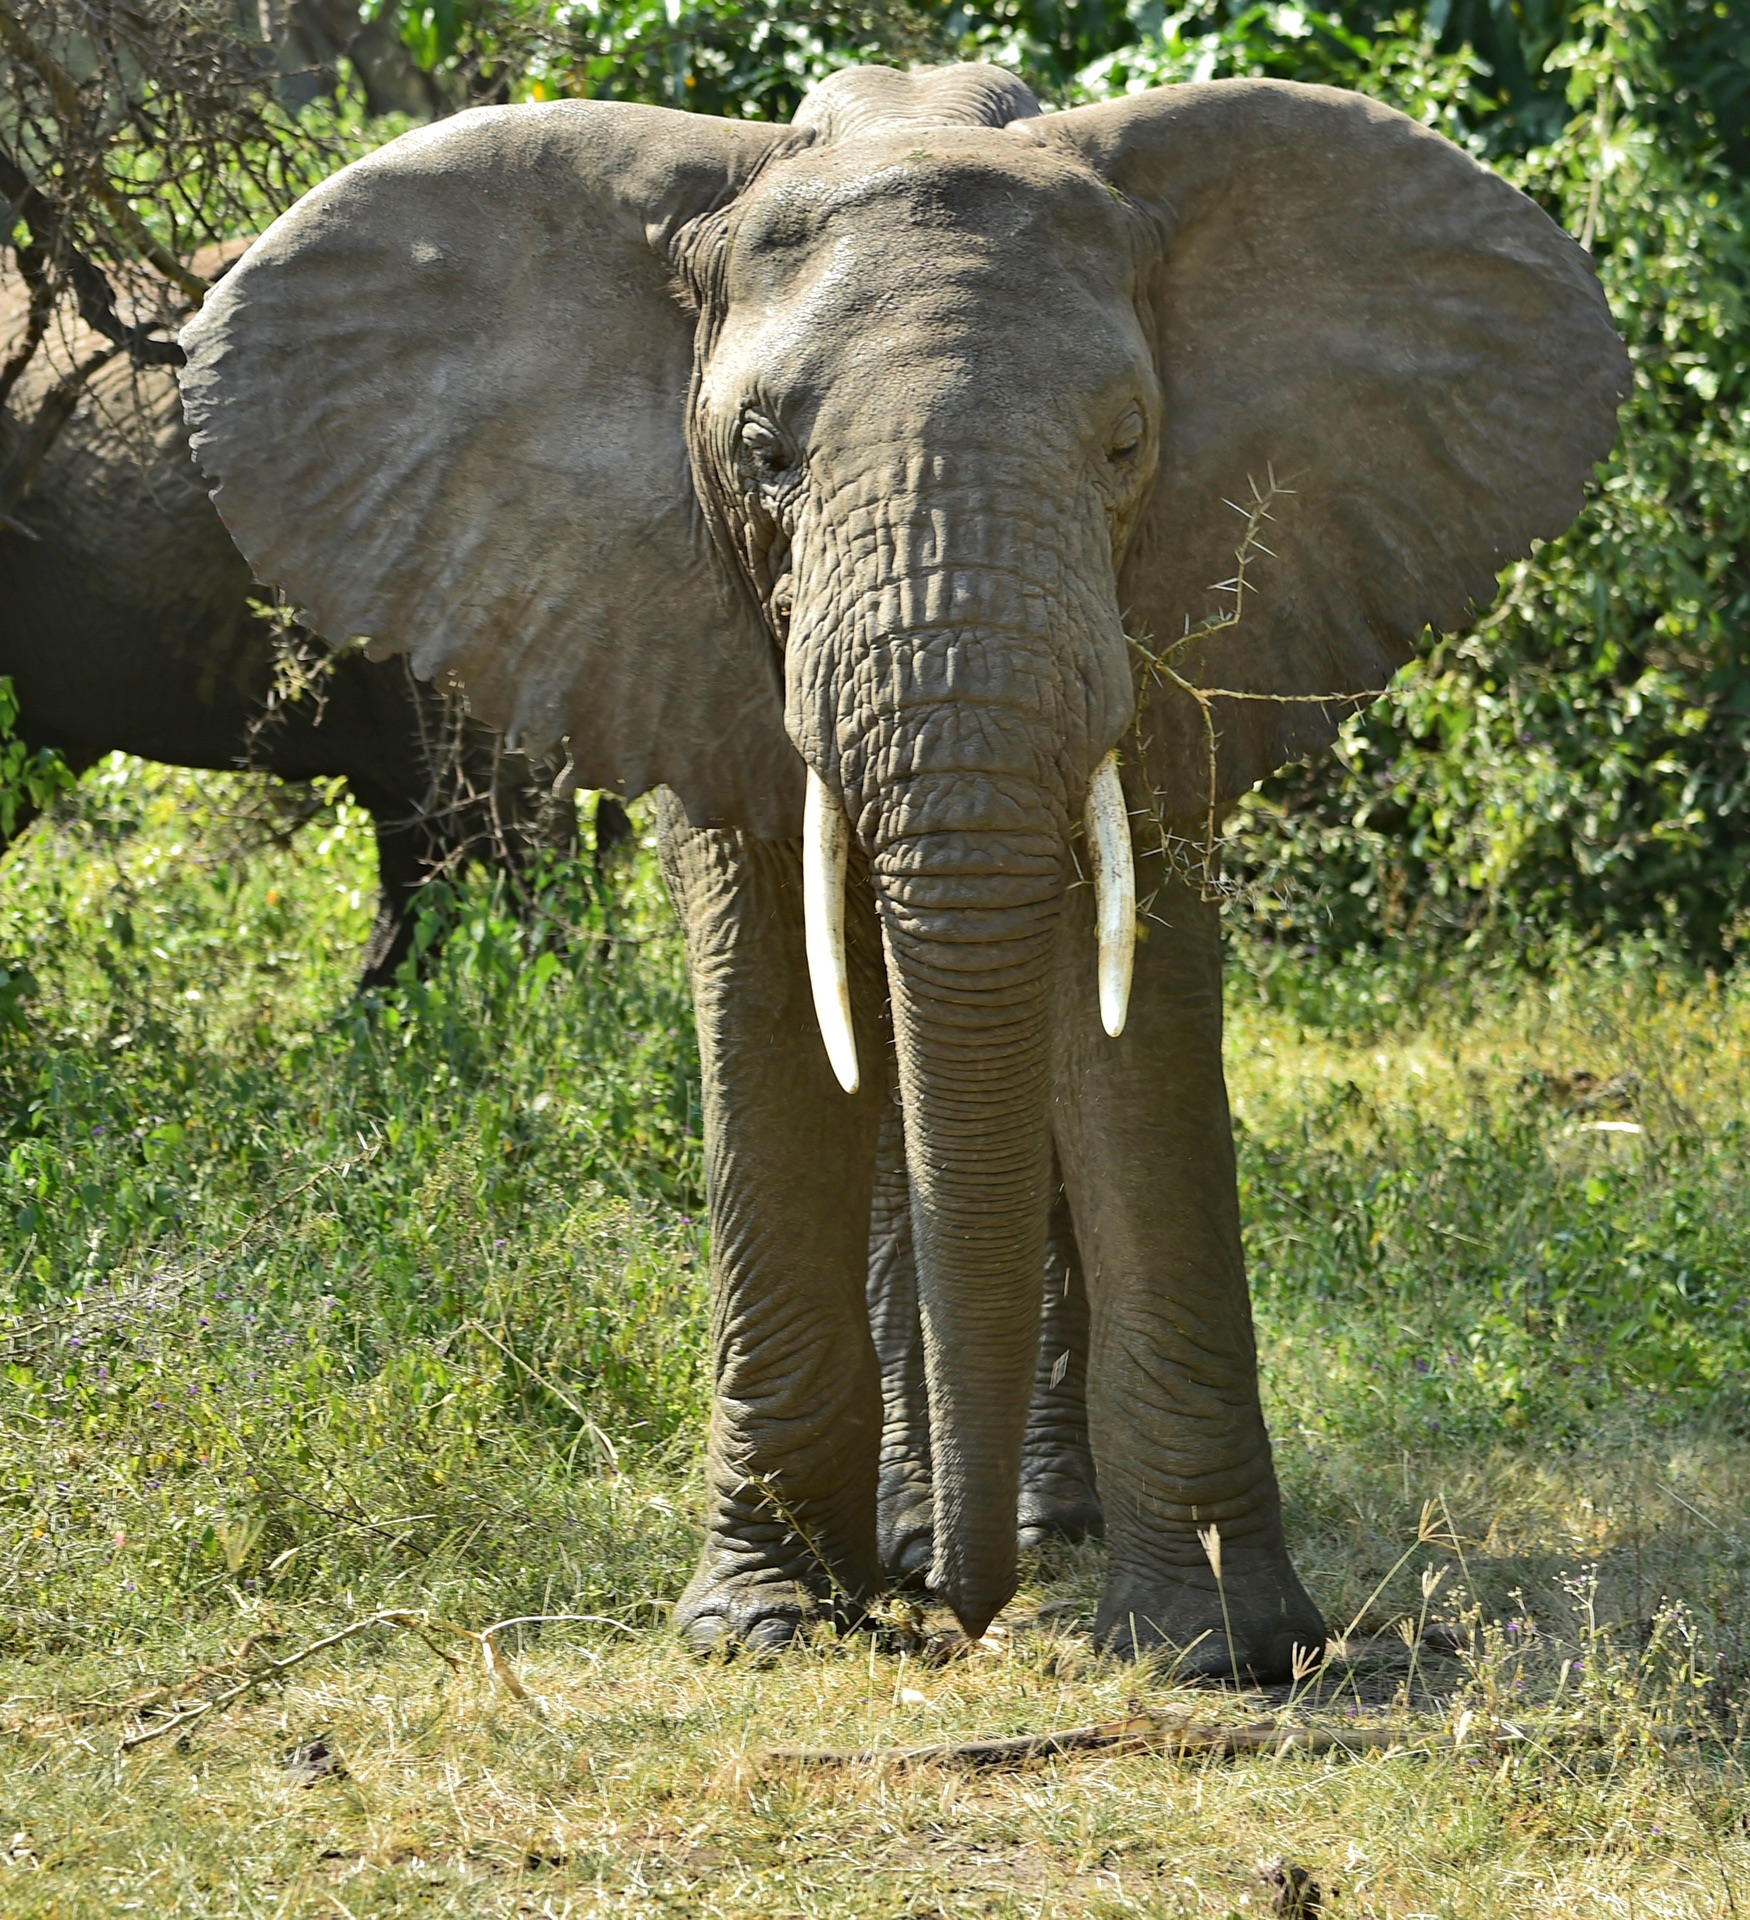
x,y
730,1607
1269,1623
1058,1501
906,1528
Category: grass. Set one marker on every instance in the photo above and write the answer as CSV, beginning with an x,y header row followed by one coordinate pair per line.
x,y
316,1307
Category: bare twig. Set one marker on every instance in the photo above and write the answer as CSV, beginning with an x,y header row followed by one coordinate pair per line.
x,y
64,91
139,135
1199,860
271,1670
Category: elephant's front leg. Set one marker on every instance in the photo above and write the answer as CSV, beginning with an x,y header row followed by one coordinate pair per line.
x,y
1178,1433
790,1159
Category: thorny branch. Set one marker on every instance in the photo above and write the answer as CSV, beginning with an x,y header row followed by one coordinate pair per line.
x,y
133,134
302,669
65,93
479,804
1194,861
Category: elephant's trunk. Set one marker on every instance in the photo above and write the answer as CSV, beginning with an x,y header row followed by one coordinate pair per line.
x,y
970,921
826,840
956,671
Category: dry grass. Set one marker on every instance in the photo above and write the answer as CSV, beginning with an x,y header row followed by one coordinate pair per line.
x,y
633,1782
303,1309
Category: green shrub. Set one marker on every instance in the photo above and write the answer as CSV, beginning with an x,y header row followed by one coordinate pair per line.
x,y
1580,759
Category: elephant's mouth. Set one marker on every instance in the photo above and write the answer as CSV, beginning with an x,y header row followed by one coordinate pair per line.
x,y
826,842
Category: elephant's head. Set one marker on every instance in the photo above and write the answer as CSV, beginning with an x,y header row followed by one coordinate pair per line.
x,y
824,471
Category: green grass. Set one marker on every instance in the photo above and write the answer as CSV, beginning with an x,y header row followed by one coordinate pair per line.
x,y
315,1307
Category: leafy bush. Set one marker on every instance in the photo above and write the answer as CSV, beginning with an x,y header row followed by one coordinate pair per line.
x,y
273,1249
1579,760
195,1046
1577,764
30,777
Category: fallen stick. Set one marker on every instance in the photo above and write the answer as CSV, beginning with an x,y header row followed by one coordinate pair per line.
x,y
137,1703
1145,1733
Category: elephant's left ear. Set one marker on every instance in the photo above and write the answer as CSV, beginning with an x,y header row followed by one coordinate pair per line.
x,y
445,399
1419,357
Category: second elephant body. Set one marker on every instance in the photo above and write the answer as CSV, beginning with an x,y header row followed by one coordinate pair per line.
x,y
127,626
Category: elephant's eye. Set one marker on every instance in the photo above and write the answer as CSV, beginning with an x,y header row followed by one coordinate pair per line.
x,y
1127,435
765,447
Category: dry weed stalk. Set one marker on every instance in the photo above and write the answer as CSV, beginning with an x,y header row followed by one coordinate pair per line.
x,y
610,1452
246,1676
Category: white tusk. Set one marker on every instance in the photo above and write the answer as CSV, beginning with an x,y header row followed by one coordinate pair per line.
x,y
1108,829
826,845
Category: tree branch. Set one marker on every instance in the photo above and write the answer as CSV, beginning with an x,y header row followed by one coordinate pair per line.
x,y
64,91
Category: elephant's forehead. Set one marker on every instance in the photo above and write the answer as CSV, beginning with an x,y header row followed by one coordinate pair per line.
x,y
965,190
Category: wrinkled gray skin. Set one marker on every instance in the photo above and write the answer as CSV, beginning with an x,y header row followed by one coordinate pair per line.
x,y
866,446
1059,1497
125,626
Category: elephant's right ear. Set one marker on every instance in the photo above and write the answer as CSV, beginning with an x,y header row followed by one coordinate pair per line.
x,y
1347,304
445,401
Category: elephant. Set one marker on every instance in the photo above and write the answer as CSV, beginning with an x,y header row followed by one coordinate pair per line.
x,y
876,476
126,625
